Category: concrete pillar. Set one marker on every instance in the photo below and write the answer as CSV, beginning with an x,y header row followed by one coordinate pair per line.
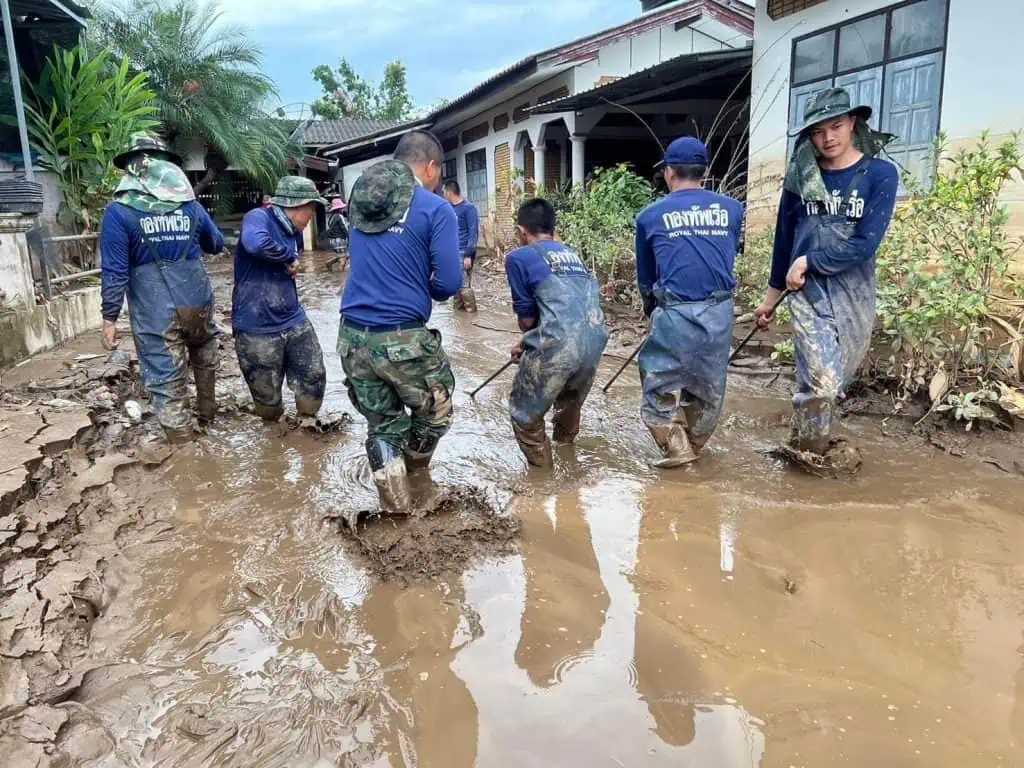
x,y
16,287
578,157
539,165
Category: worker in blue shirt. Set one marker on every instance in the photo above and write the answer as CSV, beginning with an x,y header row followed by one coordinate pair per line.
x,y
404,252
685,252
558,304
836,205
469,231
273,338
152,238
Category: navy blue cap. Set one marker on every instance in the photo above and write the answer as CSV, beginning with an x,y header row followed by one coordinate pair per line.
x,y
686,150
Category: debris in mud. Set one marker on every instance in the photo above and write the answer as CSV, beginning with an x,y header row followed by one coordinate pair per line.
x,y
840,460
462,525
326,424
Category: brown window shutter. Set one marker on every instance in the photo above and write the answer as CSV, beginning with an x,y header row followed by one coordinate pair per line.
x,y
475,133
501,122
519,114
778,9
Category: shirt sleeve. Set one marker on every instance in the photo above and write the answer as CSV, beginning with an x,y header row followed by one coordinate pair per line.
x,y
783,250
259,243
210,238
518,282
115,247
867,235
472,229
646,266
445,260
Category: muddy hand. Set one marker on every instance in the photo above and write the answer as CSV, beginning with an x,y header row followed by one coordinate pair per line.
x,y
516,353
293,268
797,274
110,341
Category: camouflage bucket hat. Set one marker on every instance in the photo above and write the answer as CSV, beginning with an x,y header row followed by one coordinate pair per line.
x,y
148,143
153,185
829,104
381,196
293,191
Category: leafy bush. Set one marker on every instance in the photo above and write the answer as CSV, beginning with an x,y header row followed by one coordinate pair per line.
x,y
599,221
753,267
946,253
80,114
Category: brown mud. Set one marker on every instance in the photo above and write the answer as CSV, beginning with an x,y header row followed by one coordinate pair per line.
x,y
209,610
460,526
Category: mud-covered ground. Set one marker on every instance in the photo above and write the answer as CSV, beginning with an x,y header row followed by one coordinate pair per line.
x,y
212,608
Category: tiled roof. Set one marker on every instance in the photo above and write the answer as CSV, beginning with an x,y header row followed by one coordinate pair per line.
x,y
319,133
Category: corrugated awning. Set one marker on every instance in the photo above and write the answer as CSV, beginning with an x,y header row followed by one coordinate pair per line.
x,y
711,74
49,11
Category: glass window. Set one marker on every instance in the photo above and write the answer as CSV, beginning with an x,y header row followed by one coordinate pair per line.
x,y
862,43
476,180
918,27
814,57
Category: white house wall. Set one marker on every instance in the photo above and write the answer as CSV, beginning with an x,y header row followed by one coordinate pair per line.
x,y
980,88
352,172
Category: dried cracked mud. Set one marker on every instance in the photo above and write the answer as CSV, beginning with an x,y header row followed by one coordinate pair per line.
x,y
210,610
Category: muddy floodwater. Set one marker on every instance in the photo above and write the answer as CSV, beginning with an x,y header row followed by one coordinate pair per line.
x,y
730,615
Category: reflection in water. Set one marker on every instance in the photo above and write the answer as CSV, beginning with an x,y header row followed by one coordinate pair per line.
x,y
432,719
566,600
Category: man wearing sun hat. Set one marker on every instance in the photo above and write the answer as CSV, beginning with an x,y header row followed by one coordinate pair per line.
x,y
404,250
685,251
273,338
837,201
152,238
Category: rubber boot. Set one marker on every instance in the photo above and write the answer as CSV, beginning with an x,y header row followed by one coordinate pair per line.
x,y
418,453
685,416
268,412
468,298
206,394
392,483
674,444
567,422
533,442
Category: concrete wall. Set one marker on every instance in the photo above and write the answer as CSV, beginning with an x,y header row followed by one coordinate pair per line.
x,y
353,172
980,88
25,332
16,288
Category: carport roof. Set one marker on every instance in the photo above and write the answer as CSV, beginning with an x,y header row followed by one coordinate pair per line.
x,y
49,10
710,74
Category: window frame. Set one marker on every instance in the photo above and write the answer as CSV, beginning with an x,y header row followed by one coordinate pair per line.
x,y
481,205
885,60
883,64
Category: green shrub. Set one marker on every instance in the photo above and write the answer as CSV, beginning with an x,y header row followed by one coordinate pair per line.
x,y
599,222
946,252
753,267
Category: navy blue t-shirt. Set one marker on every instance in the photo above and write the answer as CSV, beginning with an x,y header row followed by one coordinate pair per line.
x,y
686,244
122,248
870,204
469,227
265,298
394,274
527,268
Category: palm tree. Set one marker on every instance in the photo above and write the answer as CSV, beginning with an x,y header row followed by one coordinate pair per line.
x,y
207,78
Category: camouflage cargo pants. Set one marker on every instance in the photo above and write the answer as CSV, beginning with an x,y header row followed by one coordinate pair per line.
x,y
402,384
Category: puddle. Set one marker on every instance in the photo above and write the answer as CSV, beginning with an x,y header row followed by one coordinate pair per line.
x,y
730,615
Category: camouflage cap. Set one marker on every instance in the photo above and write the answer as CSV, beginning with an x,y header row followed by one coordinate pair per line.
x,y
147,143
381,196
294,191
153,185
829,104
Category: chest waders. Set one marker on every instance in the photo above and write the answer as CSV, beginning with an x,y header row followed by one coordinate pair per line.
x,y
171,314
833,317
560,359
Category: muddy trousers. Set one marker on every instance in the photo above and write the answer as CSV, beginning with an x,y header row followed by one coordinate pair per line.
x,y
267,359
535,389
683,367
401,382
828,352
164,361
